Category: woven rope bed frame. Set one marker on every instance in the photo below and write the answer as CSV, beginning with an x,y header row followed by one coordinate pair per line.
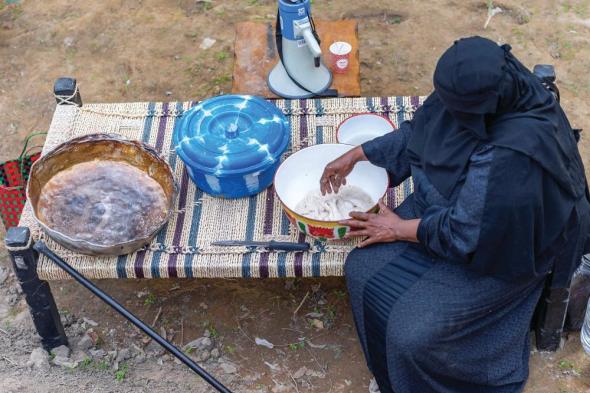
x,y
182,248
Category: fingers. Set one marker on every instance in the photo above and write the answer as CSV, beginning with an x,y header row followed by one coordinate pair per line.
x,y
361,215
333,178
331,182
357,233
327,180
384,209
354,223
368,241
325,186
336,182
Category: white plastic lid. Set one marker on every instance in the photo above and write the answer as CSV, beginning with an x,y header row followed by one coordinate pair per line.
x,y
340,48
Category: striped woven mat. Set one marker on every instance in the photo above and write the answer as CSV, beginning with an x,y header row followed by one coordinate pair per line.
x,y
183,248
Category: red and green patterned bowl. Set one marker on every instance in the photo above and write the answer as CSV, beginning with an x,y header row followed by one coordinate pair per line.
x,y
300,173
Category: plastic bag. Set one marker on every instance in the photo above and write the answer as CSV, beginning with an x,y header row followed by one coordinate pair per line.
x,y
579,295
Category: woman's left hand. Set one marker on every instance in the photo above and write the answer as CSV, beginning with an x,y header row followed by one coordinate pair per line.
x,y
382,227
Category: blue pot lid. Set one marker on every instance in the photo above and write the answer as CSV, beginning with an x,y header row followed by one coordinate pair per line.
x,y
231,134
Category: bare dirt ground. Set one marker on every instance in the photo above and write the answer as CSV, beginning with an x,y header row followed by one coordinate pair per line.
x,y
149,51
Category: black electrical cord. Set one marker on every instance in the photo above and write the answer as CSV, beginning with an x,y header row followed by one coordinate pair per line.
x,y
279,44
42,248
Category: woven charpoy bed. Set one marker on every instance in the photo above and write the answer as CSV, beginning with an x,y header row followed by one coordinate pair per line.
x,y
183,248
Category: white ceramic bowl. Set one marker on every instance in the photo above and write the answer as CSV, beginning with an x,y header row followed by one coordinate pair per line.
x,y
300,173
363,127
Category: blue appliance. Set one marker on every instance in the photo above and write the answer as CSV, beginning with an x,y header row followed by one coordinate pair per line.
x,y
300,72
232,144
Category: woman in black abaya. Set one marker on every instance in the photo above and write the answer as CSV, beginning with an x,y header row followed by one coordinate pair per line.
x,y
443,289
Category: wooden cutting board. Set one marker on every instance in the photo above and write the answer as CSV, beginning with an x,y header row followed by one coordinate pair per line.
x,y
256,54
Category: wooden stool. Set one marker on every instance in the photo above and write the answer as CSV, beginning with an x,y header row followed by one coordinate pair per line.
x,y
256,54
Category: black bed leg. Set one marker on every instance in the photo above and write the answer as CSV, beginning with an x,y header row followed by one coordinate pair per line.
x,y
551,319
37,293
66,92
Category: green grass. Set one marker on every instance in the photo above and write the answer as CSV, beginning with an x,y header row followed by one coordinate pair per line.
x,y
121,373
210,328
340,294
395,20
517,32
84,364
524,19
568,365
296,346
149,300
222,55
331,312
13,312
219,80
231,349
103,365
580,9
213,331
565,364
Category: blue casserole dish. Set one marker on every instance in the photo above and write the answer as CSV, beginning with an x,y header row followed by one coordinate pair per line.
x,y
232,145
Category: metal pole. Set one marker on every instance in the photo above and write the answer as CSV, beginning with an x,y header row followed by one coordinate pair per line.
x,y
37,292
42,248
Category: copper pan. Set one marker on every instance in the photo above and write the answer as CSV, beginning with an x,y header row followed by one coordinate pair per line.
x,y
104,147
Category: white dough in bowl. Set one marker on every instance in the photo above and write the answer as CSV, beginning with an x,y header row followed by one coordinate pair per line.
x,y
334,207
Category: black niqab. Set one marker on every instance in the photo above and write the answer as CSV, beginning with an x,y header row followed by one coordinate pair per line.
x,y
484,95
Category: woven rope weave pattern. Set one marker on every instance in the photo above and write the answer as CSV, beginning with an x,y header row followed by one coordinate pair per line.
x,y
183,248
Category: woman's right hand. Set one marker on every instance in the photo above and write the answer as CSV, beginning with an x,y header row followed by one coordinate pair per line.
x,y
335,173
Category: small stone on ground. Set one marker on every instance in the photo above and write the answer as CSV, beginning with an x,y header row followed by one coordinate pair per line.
x,y
207,43
39,359
61,351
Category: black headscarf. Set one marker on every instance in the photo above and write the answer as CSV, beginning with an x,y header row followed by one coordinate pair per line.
x,y
484,95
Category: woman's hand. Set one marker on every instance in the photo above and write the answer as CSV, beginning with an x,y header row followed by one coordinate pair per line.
x,y
335,173
382,227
